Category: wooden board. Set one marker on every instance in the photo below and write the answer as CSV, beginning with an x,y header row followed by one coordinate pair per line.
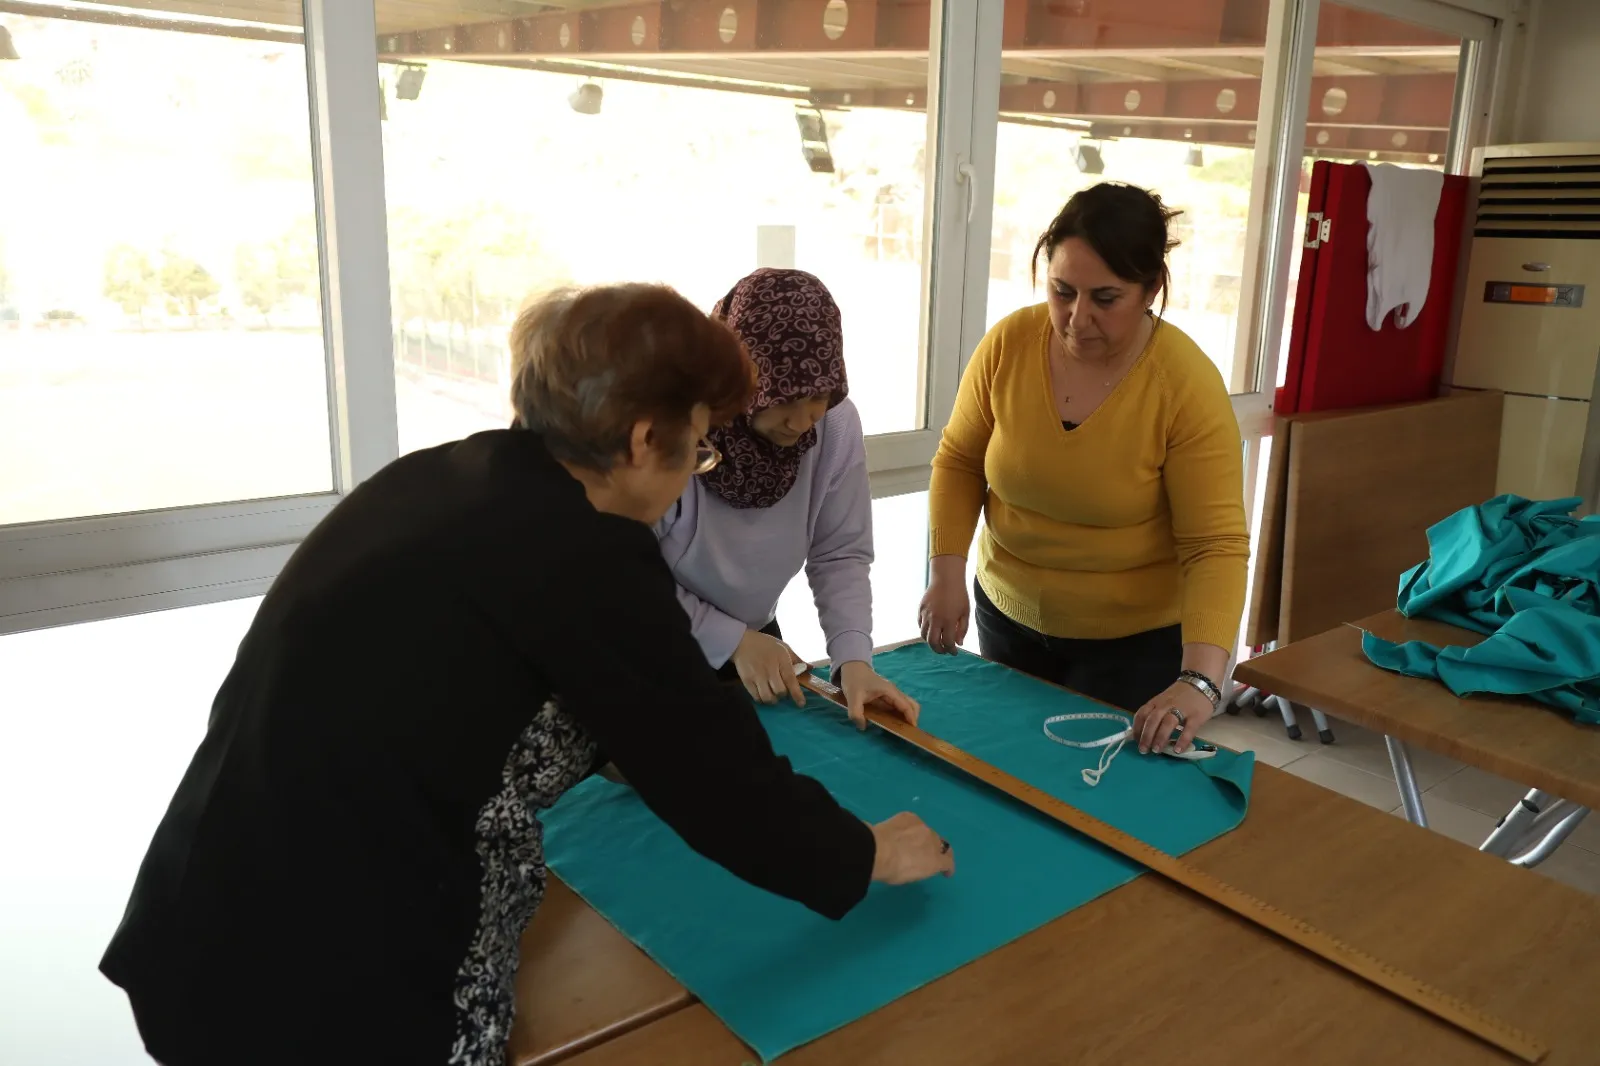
x,y
1518,739
1363,488
1266,584
1148,974
581,982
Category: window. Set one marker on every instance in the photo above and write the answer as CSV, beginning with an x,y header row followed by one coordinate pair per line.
x,y
1382,91
899,577
1167,104
161,340
678,143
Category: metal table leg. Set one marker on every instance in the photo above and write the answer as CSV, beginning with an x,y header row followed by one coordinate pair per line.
x,y
1513,827
1410,795
1556,824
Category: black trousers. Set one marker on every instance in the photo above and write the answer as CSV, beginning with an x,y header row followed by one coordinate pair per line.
x,y
729,672
1125,672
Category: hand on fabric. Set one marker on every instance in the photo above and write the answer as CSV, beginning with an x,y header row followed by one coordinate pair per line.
x,y
766,667
862,685
1154,722
945,609
909,851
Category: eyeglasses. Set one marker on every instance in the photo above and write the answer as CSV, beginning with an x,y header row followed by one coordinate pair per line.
x,y
706,457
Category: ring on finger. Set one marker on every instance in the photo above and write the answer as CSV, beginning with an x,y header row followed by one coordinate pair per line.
x,y
1179,715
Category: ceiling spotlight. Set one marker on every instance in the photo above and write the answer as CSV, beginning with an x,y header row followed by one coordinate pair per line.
x,y
7,49
1194,158
585,99
814,140
408,85
1088,160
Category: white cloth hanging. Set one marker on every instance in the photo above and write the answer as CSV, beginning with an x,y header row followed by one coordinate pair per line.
x,y
1400,214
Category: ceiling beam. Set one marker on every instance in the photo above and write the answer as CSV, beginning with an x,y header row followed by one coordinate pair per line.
x,y
1412,101
719,27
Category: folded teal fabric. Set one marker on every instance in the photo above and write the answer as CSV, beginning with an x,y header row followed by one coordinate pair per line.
x,y
1525,573
779,975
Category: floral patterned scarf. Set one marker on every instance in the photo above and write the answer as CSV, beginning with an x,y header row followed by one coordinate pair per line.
x,y
790,324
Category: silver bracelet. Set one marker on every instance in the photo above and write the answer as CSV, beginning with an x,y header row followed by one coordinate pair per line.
x,y
1203,685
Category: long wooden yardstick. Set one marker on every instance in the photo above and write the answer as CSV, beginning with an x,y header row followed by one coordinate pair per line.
x,y
1413,990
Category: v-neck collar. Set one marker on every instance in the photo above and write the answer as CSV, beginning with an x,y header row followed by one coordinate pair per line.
x,y
1048,393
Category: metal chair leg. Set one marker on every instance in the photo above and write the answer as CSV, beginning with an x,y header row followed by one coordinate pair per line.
x,y
1290,724
1320,720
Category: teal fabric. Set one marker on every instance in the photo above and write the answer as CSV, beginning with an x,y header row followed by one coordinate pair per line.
x,y
779,975
1526,574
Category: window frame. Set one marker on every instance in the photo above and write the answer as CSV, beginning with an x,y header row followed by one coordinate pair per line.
x,y
81,569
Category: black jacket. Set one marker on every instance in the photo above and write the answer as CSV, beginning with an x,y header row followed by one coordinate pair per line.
x,y
463,630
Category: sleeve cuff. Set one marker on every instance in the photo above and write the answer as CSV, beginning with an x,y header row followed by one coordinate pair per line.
x,y
849,647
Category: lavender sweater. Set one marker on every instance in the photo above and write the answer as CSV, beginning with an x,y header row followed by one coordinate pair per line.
x,y
732,565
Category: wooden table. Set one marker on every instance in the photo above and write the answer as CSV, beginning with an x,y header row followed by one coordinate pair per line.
x,y
582,982
1515,738
1150,974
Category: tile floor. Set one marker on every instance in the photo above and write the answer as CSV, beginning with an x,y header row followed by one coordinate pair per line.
x,y
1463,803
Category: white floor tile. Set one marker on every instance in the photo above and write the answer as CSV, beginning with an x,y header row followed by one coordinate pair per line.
x,y
1454,821
1479,791
1347,780
1274,751
1365,750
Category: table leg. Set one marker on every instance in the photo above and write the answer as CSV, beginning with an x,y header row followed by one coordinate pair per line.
x,y
1565,818
1513,828
1410,795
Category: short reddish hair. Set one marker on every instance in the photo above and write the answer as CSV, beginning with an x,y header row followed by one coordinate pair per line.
x,y
588,364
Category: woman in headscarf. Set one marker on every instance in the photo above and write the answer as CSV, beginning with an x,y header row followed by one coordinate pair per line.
x,y
791,492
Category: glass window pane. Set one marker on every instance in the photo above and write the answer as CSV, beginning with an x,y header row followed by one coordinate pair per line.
x,y
680,143
1382,91
899,576
1167,104
160,323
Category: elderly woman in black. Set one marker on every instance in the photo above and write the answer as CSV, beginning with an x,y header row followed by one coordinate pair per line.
x,y
347,865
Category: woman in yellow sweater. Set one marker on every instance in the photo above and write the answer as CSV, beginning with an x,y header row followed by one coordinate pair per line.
x,y
1100,445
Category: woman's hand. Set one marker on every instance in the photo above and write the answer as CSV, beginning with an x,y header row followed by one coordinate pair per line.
x,y
863,686
909,851
1155,721
766,667
945,608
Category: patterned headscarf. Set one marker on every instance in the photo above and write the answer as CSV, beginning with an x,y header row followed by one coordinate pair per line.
x,y
790,324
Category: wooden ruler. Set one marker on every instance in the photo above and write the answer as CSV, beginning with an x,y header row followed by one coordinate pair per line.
x,y
1413,990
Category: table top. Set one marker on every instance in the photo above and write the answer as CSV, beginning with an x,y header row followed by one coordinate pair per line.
x,y
1516,738
581,982
1149,973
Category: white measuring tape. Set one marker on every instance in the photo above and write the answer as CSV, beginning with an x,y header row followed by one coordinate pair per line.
x,y
1112,743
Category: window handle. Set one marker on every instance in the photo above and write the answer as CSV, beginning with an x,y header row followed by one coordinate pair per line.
x,y
967,175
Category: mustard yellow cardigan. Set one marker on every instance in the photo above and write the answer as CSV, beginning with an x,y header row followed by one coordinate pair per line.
x,y
1130,522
